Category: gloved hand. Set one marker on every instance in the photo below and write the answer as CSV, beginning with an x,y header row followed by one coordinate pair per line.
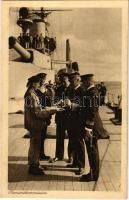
x,y
67,103
88,133
60,103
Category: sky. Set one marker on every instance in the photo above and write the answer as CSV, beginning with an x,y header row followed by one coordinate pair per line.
x,y
95,39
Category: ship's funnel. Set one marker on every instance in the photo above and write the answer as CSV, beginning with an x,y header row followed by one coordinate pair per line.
x,y
26,55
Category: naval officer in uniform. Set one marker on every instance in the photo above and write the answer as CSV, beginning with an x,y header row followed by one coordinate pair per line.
x,y
61,117
93,126
74,97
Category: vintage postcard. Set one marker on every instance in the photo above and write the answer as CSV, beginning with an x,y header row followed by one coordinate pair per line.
x,y
64,99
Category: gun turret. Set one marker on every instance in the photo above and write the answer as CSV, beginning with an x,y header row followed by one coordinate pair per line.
x,y
26,55
33,56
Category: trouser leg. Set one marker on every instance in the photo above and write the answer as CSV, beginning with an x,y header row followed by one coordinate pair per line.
x,y
93,156
43,137
34,149
102,100
70,146
80,153
60,135
76,148
70,150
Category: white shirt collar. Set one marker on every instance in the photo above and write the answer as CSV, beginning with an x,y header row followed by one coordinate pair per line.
x,y
91,86
77,87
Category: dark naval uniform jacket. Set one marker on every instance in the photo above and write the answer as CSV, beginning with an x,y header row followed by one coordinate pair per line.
x,y
92,117
61,123
60,117
75,95
76,124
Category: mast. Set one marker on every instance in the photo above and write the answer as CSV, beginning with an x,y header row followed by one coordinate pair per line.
x,y
68,56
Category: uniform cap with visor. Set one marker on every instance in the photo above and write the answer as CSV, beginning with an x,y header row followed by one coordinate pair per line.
x,y
86,76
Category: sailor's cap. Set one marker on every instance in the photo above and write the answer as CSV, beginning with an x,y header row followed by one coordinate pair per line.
x,y
33,79
41,75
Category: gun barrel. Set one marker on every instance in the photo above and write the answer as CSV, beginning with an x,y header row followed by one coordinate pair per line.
x,y
26,55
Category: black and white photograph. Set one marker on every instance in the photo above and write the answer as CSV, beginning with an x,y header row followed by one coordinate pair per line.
x,y
66,102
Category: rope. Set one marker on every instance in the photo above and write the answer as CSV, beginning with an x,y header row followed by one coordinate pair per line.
x,y
94,187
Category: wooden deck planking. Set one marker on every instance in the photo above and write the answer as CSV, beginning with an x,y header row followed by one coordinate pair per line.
x,y
107,181
102,145
52,181
84,186
113,169
114,179
115,175
107,176
112,153
68,185
100,185
61,178
91,185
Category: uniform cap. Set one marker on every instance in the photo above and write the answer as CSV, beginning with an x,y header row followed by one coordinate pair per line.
x,y
33,79
41,75
72,75
86,76
62,72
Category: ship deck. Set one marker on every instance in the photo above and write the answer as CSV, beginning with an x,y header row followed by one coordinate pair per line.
x,y
57,176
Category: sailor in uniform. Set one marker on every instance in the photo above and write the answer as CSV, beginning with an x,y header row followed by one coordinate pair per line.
x,y
35,121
